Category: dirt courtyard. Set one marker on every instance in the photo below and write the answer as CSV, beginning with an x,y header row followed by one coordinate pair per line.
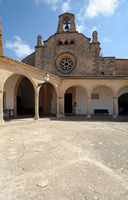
x,y
63,160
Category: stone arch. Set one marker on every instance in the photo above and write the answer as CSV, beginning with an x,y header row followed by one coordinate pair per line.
x,y
122,96
102,85
66,42
72,41
75,100
59,42
12,91
76,84
102,99
123,89
47,99
55,86
17,74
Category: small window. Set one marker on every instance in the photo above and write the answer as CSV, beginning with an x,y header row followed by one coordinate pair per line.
x,y
66,42
102,73
60,43
72,42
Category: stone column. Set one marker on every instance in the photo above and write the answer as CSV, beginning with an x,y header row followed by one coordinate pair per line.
x,y
36,104
15,105
58,110
88,107
60,107
1,107
115,107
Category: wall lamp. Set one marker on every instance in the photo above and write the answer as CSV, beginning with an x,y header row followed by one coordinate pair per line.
x,y
45,78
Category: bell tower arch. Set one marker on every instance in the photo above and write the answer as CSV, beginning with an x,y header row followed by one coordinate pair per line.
x,y
66,23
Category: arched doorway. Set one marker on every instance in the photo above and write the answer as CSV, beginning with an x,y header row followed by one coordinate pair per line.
x,y
123,101
75,101
25,97
18,97
47,100
123,104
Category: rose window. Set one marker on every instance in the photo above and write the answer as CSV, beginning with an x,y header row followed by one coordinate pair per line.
x,y
66,65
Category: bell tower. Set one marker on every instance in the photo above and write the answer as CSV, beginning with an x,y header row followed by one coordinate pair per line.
x,y
66,23
1,46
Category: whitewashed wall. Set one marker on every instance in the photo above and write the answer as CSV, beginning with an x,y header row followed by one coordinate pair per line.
x,y
105,100
81,100
9,91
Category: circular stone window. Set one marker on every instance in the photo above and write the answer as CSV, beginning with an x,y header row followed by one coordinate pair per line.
x,y
65,63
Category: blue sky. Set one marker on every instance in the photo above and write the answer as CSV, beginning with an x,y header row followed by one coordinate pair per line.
x,y
24,20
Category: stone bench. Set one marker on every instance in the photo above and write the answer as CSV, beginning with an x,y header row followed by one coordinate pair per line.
x,y
101,111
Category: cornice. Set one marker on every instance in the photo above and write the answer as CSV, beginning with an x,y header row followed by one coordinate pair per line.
x,y
25,66
118,77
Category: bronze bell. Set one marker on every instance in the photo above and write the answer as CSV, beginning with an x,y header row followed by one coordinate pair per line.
x,y
67,26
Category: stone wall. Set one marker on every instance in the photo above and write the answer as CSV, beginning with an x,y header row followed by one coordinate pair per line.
x,y
68,43
82,54
122,67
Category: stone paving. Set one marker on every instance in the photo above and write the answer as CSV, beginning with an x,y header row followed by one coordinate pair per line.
x,y
63,160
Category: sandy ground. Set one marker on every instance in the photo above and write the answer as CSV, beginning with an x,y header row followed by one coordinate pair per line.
x,y
63,160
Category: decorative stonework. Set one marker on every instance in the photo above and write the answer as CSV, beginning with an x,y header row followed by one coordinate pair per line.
x,y
65,63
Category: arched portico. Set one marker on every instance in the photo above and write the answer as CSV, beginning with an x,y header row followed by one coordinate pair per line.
x,y
18,98
24,94
75,101
47,100
122,96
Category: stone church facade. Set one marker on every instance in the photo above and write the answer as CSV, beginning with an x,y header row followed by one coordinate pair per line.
x,y
65,75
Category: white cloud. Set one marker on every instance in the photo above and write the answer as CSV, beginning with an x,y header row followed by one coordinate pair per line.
x,y
97,7
80,27
94,28
52,3
66,6
94,8
107,40
85,8
19,47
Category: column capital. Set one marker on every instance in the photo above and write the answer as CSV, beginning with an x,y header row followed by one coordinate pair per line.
x,y
39,85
